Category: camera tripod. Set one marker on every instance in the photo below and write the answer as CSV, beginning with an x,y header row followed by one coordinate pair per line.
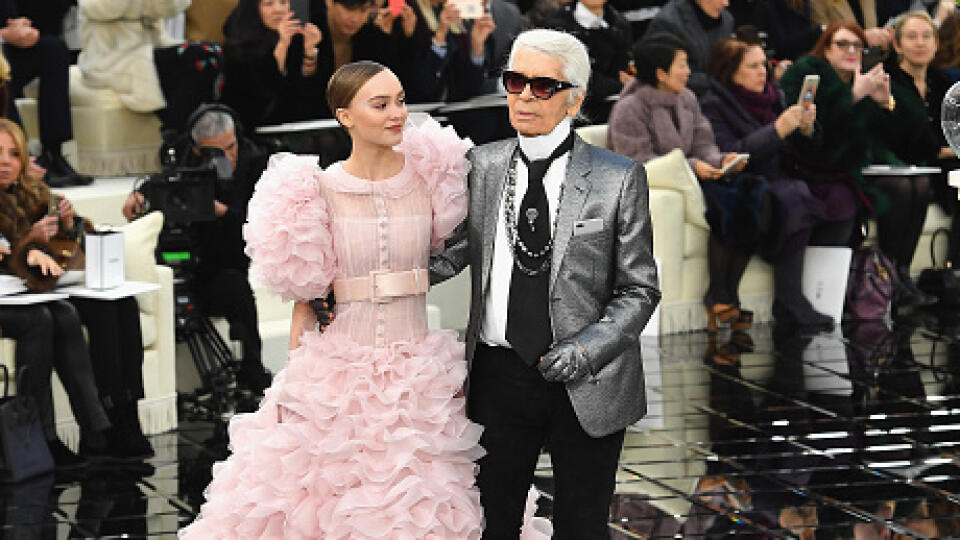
x,y
218,394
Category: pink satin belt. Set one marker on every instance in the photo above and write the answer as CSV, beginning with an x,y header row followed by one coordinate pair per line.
x,y
381,286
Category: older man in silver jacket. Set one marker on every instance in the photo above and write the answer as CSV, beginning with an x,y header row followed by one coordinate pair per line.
x,y
563,280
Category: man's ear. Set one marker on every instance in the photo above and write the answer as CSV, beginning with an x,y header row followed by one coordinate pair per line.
x,y
661,75
573,109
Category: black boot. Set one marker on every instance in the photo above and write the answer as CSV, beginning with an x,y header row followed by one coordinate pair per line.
x,y
907,292
125,440
59,169
254,377
63,458
790,305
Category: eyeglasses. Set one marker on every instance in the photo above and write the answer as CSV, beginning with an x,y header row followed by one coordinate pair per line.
x,y
845,45
540,87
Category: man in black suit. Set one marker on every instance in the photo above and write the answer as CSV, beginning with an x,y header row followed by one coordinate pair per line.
x,y
32,44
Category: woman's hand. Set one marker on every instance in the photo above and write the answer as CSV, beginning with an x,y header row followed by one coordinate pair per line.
x,y
879,37
867,84
736,168
780,68
449,16
705,171
881,90
67,213
45,228
808,119
408,19
788,121
4,251
47,265
312,36
287,28
384,20
35,171
481,30
946,153
944,9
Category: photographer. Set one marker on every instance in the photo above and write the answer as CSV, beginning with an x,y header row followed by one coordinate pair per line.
x,y
219,282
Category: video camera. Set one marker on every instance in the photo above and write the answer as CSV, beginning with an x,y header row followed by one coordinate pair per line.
x,y
185,191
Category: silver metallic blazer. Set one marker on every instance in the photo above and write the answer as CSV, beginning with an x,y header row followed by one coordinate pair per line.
x,y
603,280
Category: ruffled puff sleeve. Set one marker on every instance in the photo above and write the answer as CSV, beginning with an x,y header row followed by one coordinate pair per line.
x,y
439,156
288,230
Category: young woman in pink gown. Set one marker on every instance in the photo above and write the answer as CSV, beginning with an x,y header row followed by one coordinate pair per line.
x,y
363,434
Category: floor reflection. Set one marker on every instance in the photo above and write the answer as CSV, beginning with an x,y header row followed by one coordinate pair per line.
x,y
774,433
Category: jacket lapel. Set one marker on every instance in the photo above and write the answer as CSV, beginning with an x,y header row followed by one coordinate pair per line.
x,y
575,190
495,177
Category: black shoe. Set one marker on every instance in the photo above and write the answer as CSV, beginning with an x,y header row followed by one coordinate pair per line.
x,y
58,166
56,181
131,432
254,377
65,459
908,295
801,314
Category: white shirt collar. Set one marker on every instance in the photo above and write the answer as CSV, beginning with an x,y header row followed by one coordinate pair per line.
x,y
587,19
541,146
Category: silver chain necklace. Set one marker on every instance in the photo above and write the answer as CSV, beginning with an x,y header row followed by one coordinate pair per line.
x,y
513,235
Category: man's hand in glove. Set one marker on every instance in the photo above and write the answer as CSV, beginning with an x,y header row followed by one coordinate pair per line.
x,y
566,362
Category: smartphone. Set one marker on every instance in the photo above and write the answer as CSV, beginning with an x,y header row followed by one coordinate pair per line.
x,y
871,57
396,7
53,208
733,163
469,9
301,10
808,91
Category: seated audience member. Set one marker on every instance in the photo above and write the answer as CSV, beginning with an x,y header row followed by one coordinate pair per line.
x,y
948,50
915,42
864,123
748,115
124,47
32,45
451,58
220,282
656,114
791,32
271,71
608,39
103,393
864,14
701,24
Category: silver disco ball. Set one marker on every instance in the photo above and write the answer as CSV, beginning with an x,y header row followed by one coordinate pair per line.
x,y
950,117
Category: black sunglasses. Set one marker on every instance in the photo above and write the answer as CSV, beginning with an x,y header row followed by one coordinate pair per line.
x,y
540,87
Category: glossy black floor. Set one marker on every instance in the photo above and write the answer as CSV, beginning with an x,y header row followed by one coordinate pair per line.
x,y
852,435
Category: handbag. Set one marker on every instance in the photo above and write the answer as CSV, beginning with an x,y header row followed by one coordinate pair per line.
x,y
870,285
68,252
23,448
940,281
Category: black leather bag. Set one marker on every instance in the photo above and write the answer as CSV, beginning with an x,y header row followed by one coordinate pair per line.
x,y
23,448
940,281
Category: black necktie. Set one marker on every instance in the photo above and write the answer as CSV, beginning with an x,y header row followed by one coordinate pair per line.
x,y
528,315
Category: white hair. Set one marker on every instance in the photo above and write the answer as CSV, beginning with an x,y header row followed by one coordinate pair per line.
x,y
211,124
568,49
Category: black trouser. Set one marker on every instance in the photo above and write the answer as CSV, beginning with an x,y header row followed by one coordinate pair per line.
x,y
188,77
522,413
49,336
116,346
49,60
228,294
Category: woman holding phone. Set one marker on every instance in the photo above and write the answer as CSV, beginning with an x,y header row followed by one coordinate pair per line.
x,y
866,120
657,113
748,114
915,41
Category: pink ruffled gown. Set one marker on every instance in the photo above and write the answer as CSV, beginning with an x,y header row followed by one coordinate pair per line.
x,y
362,435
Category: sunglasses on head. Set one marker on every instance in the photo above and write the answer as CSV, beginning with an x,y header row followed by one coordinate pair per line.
x,y
540,87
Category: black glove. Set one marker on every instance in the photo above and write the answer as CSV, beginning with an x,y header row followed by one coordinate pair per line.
x,y
565,362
